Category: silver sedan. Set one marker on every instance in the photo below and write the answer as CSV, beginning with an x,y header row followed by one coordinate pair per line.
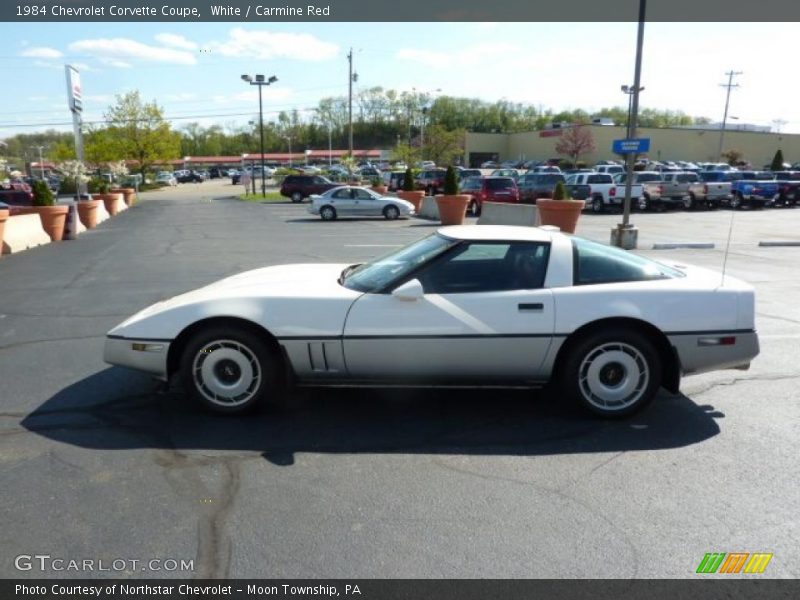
x,y
351,201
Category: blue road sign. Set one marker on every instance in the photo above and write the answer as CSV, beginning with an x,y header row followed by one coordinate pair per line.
x,y
637,146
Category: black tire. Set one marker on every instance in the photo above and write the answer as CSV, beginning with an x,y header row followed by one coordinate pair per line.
x,y
327,213
391,213
736,202
643,203
689,203
598,206
297,197
474,209
595,363
219,358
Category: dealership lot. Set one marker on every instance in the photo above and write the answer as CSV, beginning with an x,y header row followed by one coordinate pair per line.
x,y
102,463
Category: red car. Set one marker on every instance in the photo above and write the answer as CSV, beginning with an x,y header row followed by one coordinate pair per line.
x,y
489,189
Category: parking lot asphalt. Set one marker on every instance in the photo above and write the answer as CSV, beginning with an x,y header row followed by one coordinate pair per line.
x,y
100,462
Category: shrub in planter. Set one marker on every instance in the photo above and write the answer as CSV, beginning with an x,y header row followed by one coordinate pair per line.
x,y
561,211
52,216
409,193
452,205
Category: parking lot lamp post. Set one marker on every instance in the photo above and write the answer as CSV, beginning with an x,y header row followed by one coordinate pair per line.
x,y
625,235
261,81
289,139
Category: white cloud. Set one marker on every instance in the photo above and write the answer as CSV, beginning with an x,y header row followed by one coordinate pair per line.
x,y
266,45
122,48
175,41
113,62
41,52
426,57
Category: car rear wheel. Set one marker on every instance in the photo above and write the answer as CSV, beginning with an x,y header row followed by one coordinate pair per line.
x,y
328,213
612,373
688,202
229,370
474,209
391,212
297,197
597,205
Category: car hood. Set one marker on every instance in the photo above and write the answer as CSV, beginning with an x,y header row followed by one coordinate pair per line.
x,y
289,288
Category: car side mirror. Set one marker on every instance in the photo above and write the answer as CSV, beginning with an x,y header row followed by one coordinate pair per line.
x,y
409,291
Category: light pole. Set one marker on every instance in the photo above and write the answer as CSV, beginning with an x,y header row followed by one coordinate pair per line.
x,y
626,235
730,85
289,139
422,122
261,81
628,89
330,146
41,160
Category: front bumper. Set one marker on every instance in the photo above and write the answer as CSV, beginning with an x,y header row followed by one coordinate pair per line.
x,y
149,356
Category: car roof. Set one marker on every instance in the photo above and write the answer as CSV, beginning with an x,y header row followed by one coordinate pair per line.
x,y
513,233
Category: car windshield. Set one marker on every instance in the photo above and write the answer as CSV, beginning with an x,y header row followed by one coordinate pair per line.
x,y
375,275
499,184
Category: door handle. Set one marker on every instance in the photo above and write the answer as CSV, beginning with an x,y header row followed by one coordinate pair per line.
x,y
530,306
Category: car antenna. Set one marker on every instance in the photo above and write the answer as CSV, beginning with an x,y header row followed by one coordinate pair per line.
x,y
727,248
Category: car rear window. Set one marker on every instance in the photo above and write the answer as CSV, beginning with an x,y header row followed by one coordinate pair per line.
x,y
648,177
599,178
597,263
501,183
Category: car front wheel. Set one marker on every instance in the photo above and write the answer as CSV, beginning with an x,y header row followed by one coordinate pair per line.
x,y
328,213
229,370
297,197
391,212
612,373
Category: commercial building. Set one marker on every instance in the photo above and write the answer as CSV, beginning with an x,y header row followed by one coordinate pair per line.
x,y
699,144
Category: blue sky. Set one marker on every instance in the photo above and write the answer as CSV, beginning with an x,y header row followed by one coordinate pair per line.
x,y
193,69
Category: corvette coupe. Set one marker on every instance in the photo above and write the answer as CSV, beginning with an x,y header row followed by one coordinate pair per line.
x,y
469,305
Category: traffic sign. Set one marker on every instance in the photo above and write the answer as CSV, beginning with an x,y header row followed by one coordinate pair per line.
x,y
635,146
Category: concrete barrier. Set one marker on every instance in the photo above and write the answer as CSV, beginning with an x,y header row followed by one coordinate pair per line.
x,y
503,213
23,232
102,213
121,205
429,209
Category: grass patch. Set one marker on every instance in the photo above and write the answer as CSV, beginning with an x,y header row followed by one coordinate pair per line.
x,y
268,197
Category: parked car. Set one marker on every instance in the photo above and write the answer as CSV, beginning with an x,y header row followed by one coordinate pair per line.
x,y
533,186
789,188
369,173
166,178
184,176
753,189
489,164
489,189
610,169
645,192
432,181
716,188
467,305
352,201
599,191
393,180
464,173
684,188
508,172
427,164
298,187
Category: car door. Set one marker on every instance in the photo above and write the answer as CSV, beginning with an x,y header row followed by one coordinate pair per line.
x,y
342,201
365,204
484,316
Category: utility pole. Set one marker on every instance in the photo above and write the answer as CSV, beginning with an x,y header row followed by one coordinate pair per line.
x,y
350,79
778,124
729,85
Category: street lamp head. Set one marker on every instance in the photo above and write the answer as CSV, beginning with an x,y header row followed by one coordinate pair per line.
x,y
260,78
624,88
247,78
272,79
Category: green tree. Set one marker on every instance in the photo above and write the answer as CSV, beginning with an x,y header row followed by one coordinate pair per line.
x,y
136,131
42,194
408,180
405,154
777,161
450,181
443,146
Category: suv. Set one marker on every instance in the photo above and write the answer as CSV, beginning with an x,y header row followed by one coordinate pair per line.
x,y
298,187
533,186
489,189
432,181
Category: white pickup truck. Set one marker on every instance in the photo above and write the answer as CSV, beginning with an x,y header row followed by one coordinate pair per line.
x,y
648,186
599,191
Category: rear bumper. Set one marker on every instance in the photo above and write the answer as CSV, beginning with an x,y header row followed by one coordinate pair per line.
x,y
149,356
699,352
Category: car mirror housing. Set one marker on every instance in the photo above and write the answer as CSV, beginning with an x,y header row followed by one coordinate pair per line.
x,y
409,291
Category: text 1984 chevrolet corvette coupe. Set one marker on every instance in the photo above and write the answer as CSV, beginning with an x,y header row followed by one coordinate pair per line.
x,y
469,305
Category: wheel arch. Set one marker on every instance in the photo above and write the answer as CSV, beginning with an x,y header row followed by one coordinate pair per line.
x,y
178,345
670,363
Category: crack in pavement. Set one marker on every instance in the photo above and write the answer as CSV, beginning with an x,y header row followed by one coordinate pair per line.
x,y
735,380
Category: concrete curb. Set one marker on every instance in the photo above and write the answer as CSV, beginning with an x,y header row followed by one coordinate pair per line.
x,y
675,246
23,232
778,244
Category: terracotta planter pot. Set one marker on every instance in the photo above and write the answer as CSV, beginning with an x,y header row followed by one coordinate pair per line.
x,y
564,214
4,212
452,209
414,197
129,195
53,218
87,212
381,189
110,200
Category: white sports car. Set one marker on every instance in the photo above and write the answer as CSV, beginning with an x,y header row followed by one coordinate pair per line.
x,y
468,305
350,201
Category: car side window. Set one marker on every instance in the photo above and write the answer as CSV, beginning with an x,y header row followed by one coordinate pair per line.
x,y
487,267
342,193
362,195
595,263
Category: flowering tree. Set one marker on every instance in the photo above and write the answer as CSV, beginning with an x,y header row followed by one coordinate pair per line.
x,y
576,140
118,169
